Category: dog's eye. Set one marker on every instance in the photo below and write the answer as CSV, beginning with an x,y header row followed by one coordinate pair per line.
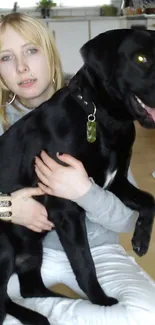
x,y
141,58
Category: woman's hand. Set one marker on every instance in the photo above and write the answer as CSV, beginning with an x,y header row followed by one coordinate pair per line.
x,y
27,212
69,182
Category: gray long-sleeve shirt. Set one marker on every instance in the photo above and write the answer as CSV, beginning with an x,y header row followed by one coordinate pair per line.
x,y
106,215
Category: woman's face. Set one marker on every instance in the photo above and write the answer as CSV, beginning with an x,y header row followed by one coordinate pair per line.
x,y
24,68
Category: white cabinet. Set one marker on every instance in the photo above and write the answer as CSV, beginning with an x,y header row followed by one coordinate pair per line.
x,y
151,23
70,36
101,26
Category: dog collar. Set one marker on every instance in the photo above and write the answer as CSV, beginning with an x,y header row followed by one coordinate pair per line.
x,y
91,118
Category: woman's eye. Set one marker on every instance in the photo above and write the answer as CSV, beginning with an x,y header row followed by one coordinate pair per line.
x,y
32,51
6,58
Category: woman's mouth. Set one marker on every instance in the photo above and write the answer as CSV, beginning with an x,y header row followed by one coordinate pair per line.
x,y
27,83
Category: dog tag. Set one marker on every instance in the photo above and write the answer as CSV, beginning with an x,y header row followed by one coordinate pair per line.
x,y
91,130
91,126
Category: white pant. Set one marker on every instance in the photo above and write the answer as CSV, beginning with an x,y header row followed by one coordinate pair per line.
x,y
118,275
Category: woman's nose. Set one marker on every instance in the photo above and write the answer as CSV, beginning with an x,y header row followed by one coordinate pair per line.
x,y
22,66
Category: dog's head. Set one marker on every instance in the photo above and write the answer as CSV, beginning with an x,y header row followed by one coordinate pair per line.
x,y
124,61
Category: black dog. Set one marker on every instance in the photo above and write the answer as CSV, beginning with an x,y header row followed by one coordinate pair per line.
x,y
118,81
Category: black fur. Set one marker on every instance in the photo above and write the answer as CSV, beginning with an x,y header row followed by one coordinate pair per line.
x,y
111,77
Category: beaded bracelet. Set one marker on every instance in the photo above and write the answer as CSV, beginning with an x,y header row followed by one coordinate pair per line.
x,y
5,207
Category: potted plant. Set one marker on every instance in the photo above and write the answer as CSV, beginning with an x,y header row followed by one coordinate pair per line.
x,y
108,10
45,6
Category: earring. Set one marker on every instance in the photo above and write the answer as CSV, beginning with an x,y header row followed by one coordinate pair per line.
x,y
12,100
53,80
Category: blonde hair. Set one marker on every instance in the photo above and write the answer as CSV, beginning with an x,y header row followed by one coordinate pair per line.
x,y
35,32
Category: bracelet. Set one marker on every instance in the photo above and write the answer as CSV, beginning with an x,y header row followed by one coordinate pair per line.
x,y
5,207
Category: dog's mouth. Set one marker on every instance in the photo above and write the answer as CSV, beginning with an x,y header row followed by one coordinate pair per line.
x,y
148,109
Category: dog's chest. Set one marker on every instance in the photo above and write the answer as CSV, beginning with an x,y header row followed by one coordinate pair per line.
x,y
102,168
109,177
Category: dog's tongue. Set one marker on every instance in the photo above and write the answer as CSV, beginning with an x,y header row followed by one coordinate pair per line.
x,y
151,111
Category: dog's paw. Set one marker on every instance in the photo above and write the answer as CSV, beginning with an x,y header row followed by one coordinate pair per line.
x,y
140,242
111,301
104,300
37,319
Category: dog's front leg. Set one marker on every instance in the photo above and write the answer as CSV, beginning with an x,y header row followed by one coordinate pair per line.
x,y
71,229
142,202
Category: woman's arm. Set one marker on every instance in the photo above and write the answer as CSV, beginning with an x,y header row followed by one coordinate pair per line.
x,y
105,208
24,210
20,208
73,183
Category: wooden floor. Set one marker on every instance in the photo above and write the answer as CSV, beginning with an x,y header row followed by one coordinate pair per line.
x,y
142,166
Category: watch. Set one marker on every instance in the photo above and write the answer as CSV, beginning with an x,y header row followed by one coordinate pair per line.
x,y
5,207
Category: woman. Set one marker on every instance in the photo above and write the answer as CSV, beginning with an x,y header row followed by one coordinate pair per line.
x,y
30,72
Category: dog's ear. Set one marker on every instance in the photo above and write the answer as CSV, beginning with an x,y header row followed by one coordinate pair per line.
x,y
100,53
